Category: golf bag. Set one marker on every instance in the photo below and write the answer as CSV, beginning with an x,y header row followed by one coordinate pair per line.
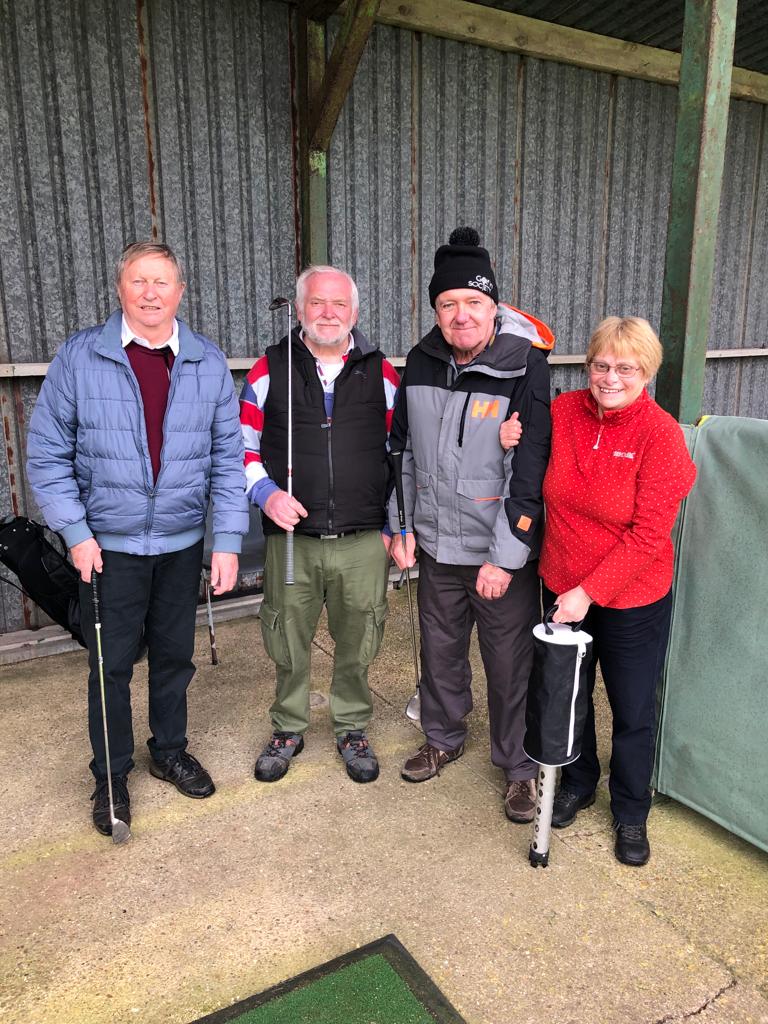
x,y
555,714
45,575
557,692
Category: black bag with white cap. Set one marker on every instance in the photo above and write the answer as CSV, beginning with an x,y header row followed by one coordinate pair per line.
x,y
555,714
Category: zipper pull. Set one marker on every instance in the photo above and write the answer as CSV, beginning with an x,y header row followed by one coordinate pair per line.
x,y
596,445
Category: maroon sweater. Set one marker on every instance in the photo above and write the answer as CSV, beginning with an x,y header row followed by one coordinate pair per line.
x,y
152,367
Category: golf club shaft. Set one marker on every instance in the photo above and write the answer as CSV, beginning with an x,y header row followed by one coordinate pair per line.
x,y
413,621
397,464
97,622
211,631
289,577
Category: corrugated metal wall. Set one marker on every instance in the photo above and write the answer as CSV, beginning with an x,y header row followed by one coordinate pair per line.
x,y
566,174
85,172
117,118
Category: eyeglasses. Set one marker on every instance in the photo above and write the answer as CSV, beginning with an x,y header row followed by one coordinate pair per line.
x,y
623,370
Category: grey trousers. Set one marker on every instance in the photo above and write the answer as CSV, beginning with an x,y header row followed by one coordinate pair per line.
x,y
449,606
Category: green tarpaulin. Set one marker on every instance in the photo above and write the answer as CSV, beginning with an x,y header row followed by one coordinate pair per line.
x,y
713,736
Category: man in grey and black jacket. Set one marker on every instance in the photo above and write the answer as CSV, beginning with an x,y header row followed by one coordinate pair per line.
x,y
475,510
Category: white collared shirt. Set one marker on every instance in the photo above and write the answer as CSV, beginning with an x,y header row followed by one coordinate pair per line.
x,y
127,336
328,372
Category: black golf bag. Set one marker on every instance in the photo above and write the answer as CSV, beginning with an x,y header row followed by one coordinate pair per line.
x,y
554,716
557,693
45,575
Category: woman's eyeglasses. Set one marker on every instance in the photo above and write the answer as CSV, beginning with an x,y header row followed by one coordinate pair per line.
x,y
624,370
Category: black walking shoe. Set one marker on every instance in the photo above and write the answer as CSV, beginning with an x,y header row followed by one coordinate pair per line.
x,y
567,805
185,773
632,846
100,797
275,759
359,758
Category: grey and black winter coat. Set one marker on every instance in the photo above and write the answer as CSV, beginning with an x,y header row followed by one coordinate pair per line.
x,y
468,501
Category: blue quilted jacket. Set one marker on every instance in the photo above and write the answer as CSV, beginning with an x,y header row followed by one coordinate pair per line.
x,y
88,459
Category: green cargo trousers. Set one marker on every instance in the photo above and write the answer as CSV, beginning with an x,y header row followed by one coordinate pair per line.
x,y
349,575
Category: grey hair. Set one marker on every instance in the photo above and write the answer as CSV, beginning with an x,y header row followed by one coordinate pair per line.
x,y
304,276
136,250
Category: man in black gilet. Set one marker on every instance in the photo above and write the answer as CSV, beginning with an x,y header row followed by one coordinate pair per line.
x,y
343,395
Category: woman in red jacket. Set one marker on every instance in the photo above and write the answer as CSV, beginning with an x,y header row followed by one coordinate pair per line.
x,y
618,471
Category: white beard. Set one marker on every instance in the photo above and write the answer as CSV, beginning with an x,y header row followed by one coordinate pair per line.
x,y
325,342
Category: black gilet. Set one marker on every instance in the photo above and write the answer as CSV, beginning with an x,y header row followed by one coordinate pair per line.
x,y
340,469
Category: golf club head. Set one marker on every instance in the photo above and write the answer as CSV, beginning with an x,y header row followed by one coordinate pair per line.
x,y
413,709
120,831
278,302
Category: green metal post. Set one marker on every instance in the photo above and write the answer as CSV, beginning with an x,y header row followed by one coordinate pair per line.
x,y
697,173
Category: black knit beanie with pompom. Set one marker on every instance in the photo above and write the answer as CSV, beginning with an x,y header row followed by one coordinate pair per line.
x,y
463,263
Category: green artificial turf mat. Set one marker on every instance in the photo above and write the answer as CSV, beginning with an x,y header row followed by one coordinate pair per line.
x,y
380,983
368,991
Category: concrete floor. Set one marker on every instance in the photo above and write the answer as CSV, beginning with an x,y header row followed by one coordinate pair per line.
x,y
215,900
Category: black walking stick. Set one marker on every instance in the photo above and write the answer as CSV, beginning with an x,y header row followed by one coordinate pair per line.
x,y
555,713
120,831
413,707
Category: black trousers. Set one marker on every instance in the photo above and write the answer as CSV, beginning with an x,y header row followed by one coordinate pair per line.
x,y
449,606
630,645
154,596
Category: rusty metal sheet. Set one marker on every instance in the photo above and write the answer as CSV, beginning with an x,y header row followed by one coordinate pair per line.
x,y
564,153
74,187
369,188
223,159
753,391
638,205
727,326
756,311
467,171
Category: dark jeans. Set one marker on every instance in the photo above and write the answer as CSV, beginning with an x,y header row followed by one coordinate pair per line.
x,y
629,644
449,606
154,596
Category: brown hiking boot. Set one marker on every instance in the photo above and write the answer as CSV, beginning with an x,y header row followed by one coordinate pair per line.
x,y
520,801
428,761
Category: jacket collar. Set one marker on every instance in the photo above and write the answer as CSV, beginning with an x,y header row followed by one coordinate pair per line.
x,y
362,346
109,341
506,355
616,417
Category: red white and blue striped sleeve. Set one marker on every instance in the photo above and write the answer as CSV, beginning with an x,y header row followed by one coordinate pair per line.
x,y
253,398
391,384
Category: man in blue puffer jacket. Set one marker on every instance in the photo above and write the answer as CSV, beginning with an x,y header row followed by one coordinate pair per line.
x,y
136,429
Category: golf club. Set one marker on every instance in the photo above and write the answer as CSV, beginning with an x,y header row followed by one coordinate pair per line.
x,y
211,631
413,707
120,831
277,303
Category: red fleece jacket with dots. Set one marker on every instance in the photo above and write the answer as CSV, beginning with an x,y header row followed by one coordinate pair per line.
x,y
612,491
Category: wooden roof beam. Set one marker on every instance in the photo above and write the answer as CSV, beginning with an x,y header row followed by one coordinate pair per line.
x,y
500,30
359,16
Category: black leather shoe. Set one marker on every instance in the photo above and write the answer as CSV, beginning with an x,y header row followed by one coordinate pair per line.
x,y
100,797
567,805
632,846
185,773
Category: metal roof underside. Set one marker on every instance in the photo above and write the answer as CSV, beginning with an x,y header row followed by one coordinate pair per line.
x,y
658,23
